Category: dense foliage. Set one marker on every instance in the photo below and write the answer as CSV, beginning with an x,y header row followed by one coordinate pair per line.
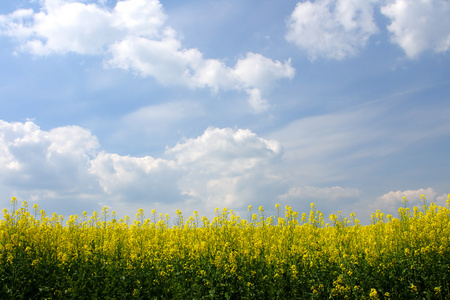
x,y
289,257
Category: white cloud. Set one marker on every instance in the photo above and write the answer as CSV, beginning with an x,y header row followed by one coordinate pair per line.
x,y
338,29
228,167
257,103
14,24
215,74
136,179
261,72
166,61
47,160
133,36
418,25
225,149
72,139
334,29
220,167
163,59
67,26
72,27
392,201
140,17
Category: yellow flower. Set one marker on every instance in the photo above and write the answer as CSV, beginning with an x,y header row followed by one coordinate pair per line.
x,y
373,293
231,245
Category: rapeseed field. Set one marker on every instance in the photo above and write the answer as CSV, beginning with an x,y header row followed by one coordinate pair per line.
x,y
288,256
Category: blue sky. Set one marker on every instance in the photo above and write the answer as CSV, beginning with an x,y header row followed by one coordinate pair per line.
x,y
201,104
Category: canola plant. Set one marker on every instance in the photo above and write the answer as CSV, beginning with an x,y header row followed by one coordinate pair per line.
x,y
228,257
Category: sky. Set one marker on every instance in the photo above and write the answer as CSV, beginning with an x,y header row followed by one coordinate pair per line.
x,y
204,104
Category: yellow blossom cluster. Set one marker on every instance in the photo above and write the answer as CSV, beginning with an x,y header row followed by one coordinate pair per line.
x,y
228,257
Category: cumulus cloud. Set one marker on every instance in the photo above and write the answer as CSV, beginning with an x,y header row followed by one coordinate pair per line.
x,y
391,201
168,63
46,160
338,29
228,167
133,36
220,167
417,25
258,71
140,179
256,101
334,29
164,59
226,149
66,26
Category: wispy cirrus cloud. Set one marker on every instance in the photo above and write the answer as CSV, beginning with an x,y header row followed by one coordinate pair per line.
x,y
311,193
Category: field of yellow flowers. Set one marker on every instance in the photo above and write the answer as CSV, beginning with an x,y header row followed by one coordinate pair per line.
x,y
283,257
